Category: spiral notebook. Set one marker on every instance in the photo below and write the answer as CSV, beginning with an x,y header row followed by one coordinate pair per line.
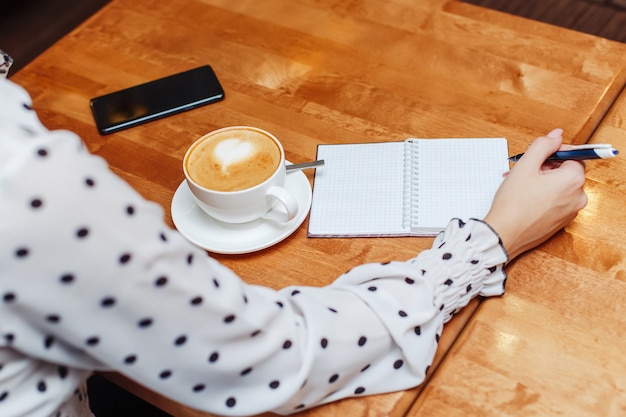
x,y
409,188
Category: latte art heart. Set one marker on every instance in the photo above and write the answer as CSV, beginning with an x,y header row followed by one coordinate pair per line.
x,y
232,151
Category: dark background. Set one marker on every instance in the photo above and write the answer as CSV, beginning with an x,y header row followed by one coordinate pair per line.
x,y
604,18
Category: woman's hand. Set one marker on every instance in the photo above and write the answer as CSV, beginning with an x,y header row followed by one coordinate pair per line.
x,y
536,198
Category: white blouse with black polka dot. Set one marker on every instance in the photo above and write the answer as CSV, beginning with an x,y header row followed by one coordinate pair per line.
x,y
92,279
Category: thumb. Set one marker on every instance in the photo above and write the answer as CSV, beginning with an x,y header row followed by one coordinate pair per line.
x,y
541,149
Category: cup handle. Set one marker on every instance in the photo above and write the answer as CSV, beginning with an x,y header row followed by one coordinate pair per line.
x,y
286,200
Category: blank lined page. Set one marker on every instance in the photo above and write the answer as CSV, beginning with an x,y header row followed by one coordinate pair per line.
x,y
358,191
458,178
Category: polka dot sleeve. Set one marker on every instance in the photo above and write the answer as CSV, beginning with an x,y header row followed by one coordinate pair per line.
x,y
91,278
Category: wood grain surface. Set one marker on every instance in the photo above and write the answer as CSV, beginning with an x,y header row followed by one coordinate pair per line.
x,y
346,71
554,344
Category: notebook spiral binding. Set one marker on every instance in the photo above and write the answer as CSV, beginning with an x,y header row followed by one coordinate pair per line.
x,y
410,208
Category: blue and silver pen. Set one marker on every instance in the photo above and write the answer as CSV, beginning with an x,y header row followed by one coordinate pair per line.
x,y
579,153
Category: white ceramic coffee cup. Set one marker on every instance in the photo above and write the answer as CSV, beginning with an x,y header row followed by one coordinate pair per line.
x,y
268,199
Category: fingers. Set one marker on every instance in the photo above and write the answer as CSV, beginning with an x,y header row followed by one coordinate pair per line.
x,y
545,146
541,149
575,167
556,133
574,174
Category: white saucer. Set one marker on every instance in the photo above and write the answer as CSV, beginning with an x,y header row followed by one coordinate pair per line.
x,y
212,235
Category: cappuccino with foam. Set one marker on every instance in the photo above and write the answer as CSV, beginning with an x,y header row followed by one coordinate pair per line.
x,y
233,160
237,174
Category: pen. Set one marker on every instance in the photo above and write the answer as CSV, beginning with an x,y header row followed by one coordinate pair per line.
x,y
579,153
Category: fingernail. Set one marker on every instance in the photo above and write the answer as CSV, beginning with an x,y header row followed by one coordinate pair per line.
x,y
556,133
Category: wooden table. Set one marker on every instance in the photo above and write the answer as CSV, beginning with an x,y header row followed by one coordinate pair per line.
x,y
335,71
554,345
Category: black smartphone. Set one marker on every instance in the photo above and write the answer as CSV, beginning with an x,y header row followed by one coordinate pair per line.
x,y
156,99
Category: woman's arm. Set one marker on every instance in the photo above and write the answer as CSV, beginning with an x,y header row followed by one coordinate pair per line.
x,y
91,278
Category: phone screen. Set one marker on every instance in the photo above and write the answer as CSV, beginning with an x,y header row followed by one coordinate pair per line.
x,y
156,99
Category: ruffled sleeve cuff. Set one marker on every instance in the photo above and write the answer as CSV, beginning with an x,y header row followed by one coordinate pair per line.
x,y
473,261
